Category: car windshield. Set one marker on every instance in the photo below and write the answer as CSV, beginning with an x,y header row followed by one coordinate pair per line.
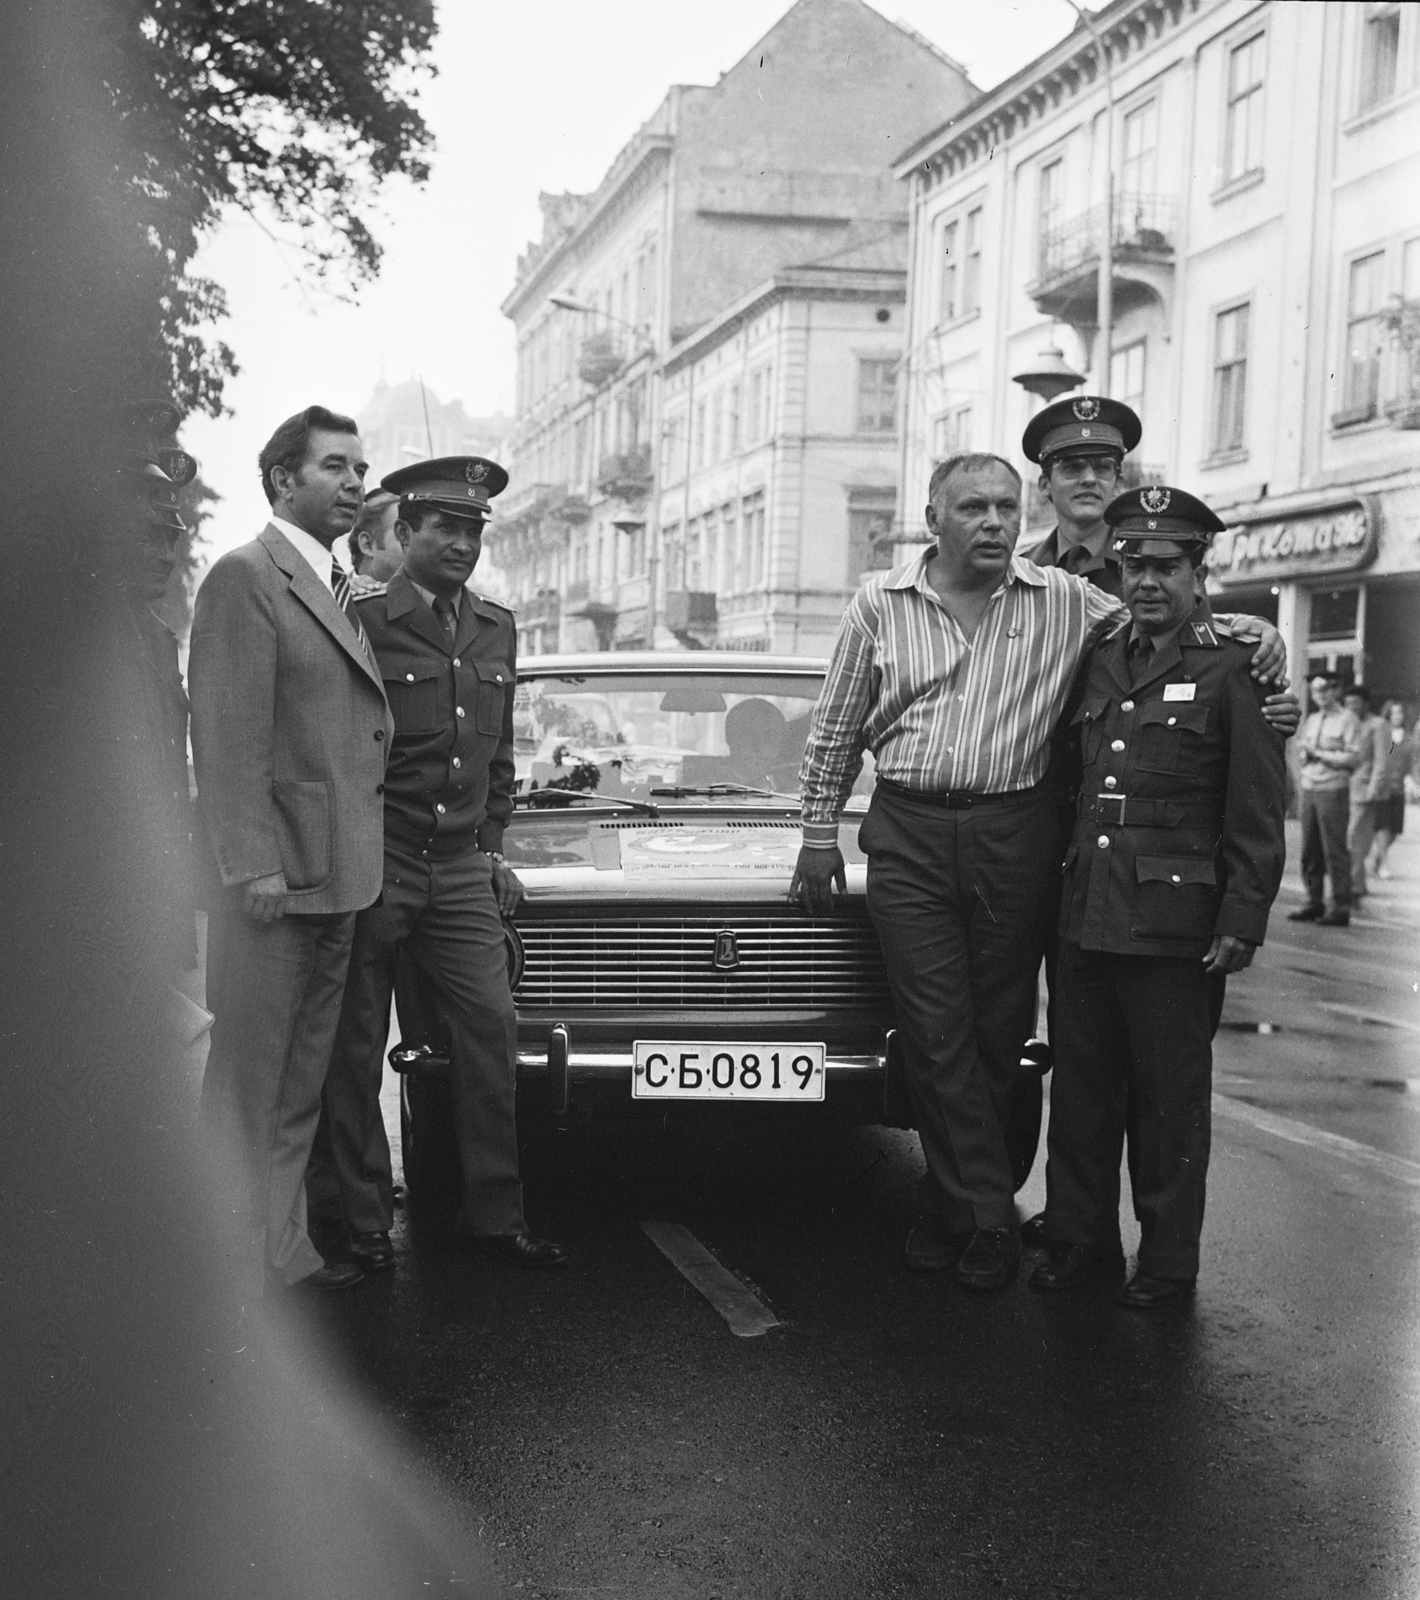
x,y
627,734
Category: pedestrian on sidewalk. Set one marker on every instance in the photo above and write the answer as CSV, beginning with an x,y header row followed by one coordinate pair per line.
x,y
1330,749
1361,826
1398,755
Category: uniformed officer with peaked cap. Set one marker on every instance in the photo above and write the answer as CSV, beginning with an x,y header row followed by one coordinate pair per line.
x,y
1176,859
448,660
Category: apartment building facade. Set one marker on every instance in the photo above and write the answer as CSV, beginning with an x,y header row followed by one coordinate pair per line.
x,y
783,163
1265,211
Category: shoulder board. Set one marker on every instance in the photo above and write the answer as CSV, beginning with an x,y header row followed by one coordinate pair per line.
x,y
488,600
368,594
1211,635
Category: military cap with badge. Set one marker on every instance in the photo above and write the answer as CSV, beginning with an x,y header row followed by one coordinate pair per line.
x,y
1081,424
154,467
462,486
1158,520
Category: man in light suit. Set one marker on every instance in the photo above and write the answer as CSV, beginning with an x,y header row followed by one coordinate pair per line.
x,y
290,730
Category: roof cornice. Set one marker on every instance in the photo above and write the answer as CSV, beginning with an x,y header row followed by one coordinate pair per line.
x,y
615,191
818,283
1068,69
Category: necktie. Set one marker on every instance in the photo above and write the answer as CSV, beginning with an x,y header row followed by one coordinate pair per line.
x,y
1141,651
444,611
340,587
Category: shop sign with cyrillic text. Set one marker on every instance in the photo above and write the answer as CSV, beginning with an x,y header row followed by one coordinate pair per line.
x,y
1340,539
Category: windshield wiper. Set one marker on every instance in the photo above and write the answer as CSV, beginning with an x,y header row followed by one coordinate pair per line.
x,y
540,799
711,789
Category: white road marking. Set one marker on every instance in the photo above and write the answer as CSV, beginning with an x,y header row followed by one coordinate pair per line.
x,y
1396,1168
747,1315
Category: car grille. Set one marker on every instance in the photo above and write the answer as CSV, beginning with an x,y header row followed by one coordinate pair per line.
x,y
664,962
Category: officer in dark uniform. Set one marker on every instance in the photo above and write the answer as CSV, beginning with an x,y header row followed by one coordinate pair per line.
x,y
152,470
448,660
1176,859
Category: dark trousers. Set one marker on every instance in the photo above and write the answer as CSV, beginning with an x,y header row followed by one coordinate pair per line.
x,y
445,916
960,901
1134,1050
1326,815
275,992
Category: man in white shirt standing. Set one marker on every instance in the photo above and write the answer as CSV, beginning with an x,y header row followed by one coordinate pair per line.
x,y
1330,749
290,731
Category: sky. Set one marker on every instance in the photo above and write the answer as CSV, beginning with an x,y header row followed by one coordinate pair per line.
x,y
529,95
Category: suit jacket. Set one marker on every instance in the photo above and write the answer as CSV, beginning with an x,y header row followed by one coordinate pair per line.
x,y
290,730
1180,828
450,782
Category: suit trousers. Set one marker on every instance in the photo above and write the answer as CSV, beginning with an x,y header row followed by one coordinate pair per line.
x,y
960,900
445,917
1135,1049
274,989
1326,815
1360,836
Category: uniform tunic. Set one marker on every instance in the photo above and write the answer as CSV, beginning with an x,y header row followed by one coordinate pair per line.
x,y
1179,838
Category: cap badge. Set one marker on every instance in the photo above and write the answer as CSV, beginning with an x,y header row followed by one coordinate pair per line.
x,y
1084,433
1155,499
1085,410
475,471
1152,523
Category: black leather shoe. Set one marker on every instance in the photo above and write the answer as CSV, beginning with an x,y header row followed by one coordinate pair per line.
x,y
372,1251
990,1260
1307,914
333,1275
1143,1293
1033,1232
931,1246
1334,919
1071,1264
518,1250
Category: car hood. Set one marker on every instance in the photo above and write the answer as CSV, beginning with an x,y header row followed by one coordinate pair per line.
x,y
700,855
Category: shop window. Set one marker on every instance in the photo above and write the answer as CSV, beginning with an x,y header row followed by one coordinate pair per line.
x,y
1334,614
1230,332
1242,135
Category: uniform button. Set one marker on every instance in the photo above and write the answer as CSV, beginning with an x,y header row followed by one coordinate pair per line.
x,y
1127,706
379,788
959,697
457,662
1117,744
457,762
951,749
439,809
498,678
409,677
1110,783
1176,878
379,735
1172,720
1103,841
458,711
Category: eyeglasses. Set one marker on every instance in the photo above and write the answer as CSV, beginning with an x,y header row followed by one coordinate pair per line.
x,y
1075,467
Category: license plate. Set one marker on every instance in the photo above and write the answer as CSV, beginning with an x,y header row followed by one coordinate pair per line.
x,y
688,1071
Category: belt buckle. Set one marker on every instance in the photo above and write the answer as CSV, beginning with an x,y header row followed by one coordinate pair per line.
x,y
1119,820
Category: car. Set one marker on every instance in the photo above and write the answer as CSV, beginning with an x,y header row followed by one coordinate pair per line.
x,y
657,958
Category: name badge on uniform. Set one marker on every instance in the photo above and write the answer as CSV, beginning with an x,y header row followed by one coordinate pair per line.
x,y
1180,691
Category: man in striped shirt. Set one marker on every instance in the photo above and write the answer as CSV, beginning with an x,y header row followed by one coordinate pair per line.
x,y
953,671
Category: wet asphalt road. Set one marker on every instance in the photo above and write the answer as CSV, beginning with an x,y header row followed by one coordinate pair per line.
x,y
610,1436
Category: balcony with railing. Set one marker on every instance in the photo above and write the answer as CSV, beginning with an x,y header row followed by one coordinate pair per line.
x,y
626,477
1066,286
602,356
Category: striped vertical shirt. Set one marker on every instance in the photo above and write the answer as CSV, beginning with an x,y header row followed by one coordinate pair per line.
x,y
939,711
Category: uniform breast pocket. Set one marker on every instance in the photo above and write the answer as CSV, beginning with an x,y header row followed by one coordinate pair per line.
x,y
494,681
1174,898
1167,735
1088,723
413,695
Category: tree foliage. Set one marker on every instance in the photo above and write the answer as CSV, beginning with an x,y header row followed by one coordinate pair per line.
x,y
294,111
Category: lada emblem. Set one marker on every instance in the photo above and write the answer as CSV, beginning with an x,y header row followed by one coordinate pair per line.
x,y
727,951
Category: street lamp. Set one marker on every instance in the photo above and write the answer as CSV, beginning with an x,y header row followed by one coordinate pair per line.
x,y
1050,376
570,302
